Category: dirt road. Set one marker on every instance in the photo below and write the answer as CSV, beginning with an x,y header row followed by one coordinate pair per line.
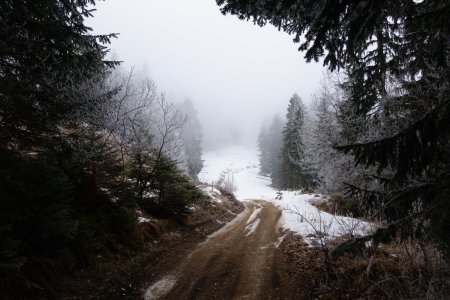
x,y
235,262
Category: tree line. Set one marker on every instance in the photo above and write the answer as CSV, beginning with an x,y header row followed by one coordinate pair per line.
x,y
83,146
394,120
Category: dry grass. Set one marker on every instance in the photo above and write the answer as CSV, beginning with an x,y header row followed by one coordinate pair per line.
x,y
409,270
336,204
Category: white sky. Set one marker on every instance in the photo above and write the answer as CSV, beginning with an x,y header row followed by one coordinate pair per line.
x,y
237,74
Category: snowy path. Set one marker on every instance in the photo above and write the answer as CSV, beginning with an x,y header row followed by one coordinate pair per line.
x,y
298,215
240,260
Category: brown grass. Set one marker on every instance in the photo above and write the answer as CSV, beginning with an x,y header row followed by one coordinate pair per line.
x,y
336,204
409,270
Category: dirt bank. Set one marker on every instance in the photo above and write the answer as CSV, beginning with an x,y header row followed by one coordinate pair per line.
x,y
126,277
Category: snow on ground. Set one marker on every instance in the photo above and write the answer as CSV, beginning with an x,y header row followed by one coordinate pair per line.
x,y
243,165
254,215
251,228
211,192
160,288
298,214
143,220
227,226
305,219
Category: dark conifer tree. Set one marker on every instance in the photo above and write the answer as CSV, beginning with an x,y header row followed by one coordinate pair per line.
x,y
292,172
288,175
48,58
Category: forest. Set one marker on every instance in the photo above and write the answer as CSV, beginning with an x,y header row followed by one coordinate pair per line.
x,y
96,160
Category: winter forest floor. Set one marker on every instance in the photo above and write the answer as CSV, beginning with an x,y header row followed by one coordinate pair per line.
x,y
248,258
256,248
127,277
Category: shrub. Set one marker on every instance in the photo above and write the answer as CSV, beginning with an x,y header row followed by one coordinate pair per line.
x,y
226,182
338,205
176,191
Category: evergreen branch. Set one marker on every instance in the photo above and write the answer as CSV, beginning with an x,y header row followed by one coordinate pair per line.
x,y
368,151
382,235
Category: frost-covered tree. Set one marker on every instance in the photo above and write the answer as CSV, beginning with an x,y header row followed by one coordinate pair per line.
x,y
293,171
275,134
191,134
138,123
270,142
48,55
323,134
331,125
145,127
378,42
263,145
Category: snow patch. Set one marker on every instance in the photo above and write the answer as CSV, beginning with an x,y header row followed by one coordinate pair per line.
x,y
149,195
298,215
250,228
143,220
231,213
244,165
275,244
227,226
160,288
212,193
305,219
279,241
254,215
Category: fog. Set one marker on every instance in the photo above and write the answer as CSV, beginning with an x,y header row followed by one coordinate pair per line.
x,y
237,74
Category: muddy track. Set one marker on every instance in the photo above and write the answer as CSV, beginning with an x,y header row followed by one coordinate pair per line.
x,y
236,262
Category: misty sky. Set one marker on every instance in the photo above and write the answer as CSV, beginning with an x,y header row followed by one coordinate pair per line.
x,y
237,74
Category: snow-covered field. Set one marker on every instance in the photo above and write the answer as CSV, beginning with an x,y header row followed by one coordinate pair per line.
x,y
241,165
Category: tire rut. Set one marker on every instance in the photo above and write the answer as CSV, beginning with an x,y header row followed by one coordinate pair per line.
x,y
233,263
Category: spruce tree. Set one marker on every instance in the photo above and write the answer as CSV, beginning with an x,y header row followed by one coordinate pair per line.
x,y
289,173
275,133
176,191
293,173
191,133
47,55
49,59
270,141
263,144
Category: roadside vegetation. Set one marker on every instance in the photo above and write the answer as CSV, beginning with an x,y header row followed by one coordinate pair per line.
x,y
87,150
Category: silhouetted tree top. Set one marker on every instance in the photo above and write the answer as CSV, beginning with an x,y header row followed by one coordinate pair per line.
x,y
342,30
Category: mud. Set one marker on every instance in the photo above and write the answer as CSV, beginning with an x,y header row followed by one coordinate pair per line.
x,y
237,262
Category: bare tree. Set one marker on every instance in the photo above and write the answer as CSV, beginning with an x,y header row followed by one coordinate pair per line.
x,y
137,121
